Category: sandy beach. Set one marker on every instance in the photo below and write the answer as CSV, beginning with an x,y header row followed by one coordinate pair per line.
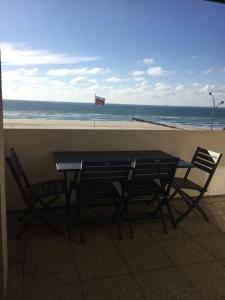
x,y
68,124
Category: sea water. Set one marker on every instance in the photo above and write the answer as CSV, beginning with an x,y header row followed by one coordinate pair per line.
x,y
169,115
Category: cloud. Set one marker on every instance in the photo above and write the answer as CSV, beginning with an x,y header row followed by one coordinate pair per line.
x,y
20,74
82,79
115,79
138,79
137,73
208,71
156,71
19,54
179,88
147,61
75,72
78,79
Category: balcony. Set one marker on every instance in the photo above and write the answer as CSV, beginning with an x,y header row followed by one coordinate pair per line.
x,y
188,263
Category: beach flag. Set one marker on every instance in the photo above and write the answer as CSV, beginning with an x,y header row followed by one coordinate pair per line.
x,y
99,101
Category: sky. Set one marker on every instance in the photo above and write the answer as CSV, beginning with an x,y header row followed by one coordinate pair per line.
x,y
153,52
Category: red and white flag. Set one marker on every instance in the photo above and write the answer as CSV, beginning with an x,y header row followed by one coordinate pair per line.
x,y
99,101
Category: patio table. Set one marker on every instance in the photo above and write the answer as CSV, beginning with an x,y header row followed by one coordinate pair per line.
x,y
70,162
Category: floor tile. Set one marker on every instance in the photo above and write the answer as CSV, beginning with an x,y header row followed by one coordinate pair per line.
x,y
207,278
156,232
97,262
65,267
15,269
116,288
96,236
184,252
14,291
214,244
50,286
16,249
166,284
140,235
144,256
15,280
217,207
197,226
218,221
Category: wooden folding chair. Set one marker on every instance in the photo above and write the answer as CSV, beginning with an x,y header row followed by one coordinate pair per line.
x,y
38,197
207,162
150,183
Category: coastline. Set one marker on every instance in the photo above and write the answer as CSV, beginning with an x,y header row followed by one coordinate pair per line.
x,y
74,124
134,124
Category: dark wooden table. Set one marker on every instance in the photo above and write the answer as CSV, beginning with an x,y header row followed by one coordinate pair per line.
x,y
69,162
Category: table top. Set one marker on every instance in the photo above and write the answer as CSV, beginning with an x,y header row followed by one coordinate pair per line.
x,y
71,160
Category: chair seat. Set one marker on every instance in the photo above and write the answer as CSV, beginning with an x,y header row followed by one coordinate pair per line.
x,y
45,189
182,183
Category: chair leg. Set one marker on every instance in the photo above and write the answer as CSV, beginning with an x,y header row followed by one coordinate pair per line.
x,y
129,221
172,195
119,226
26,225
197,206
162,215
80,224
47,224
116,215
170,213
188,211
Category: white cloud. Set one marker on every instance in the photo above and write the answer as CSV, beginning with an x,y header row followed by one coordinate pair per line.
x,y
156,71
179,88
82,79
147,61
208,71
19,54
114,79
207,88
137,73
32,83
75,72
78,79
138,79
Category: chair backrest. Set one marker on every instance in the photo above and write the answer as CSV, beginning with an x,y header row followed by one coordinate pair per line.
x,y
207,161
160,172
104,171
17,171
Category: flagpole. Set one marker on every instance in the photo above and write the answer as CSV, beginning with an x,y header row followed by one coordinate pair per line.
x,y
95,111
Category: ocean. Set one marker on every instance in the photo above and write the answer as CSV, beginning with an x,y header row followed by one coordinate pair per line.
x,y
169,115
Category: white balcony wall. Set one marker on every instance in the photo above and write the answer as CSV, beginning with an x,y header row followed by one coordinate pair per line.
x,y
35,146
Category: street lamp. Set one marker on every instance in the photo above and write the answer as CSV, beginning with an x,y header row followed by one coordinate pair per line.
x,y
214,109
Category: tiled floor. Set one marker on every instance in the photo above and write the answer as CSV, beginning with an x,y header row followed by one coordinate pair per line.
x,y
187,263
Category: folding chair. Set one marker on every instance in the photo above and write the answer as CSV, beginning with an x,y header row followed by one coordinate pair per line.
x,y
38,197
96,186
207,162
150,183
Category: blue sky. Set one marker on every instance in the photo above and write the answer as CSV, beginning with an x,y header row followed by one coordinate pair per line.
x,y
140,52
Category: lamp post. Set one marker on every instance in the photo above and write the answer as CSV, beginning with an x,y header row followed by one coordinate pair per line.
x,y
214,109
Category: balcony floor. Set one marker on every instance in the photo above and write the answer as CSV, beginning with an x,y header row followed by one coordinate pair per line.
x,y
187,263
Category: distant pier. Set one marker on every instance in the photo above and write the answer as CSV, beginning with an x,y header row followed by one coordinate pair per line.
x,y
155,123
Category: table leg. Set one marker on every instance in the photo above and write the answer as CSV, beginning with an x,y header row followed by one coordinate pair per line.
x,y
67,206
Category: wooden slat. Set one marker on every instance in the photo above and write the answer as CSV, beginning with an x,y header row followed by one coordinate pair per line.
x,y
202,167
205,163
